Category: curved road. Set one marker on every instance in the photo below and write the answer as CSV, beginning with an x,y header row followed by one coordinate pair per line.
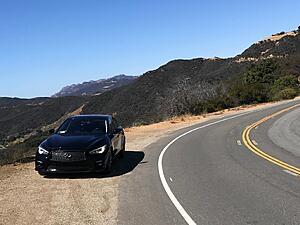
x,y
216,178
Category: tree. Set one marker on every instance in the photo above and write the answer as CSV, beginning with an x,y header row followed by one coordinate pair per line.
x,y
284,88
261,73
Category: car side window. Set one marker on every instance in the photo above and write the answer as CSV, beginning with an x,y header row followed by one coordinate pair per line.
x,y
64,126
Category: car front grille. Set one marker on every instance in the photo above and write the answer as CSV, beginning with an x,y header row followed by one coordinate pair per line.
x,y
67,156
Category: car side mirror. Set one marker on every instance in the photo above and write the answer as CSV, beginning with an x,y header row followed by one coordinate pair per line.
x,y
118,130
52,131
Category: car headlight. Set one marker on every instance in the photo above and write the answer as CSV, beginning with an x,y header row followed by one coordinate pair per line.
x,y
99,150
42,151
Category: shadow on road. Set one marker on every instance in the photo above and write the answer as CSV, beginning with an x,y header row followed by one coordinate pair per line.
x,y
120,167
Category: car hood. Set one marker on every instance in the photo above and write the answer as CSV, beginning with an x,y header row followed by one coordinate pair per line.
x,y
79,142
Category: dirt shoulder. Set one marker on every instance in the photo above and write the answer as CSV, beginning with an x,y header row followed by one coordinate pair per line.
x,y
27,198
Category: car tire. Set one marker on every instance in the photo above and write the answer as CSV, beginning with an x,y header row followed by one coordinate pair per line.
x,y
42,173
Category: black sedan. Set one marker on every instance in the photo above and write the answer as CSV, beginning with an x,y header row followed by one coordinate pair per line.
x,y
84,143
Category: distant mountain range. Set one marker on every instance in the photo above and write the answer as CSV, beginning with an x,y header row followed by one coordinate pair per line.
x,y
178,87
95,87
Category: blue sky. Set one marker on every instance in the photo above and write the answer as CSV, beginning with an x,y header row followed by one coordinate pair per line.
x,y
45,45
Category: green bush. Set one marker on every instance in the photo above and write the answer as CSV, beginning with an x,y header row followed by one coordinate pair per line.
x,y
255,83
284,88
262,83
261,73
287,93
249,93
286,81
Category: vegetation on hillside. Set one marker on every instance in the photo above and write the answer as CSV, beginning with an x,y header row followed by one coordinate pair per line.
x,y
22,120
261,82
23,151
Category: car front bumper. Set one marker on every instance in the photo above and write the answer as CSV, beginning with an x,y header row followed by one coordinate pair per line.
x,y
46,164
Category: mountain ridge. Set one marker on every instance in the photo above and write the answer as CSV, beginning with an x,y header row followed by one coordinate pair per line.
x,y
95,86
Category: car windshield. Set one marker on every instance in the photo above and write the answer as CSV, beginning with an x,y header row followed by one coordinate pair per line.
x,y
83,126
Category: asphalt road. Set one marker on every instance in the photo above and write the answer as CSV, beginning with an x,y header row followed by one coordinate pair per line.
x,y
215,178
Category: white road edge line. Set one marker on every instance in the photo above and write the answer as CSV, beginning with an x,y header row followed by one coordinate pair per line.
x,y
291,173
162,177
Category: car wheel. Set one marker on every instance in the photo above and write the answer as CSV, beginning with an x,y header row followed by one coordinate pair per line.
x,y
42,173
108,163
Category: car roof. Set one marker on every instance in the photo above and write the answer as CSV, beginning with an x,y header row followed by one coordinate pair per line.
x,y
92,115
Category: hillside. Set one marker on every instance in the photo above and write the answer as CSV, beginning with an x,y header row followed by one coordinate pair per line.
x,y
166,91
95,87
21,116
183,86
268,70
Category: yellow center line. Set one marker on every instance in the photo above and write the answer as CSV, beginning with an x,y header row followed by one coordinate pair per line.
x,y
250,145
